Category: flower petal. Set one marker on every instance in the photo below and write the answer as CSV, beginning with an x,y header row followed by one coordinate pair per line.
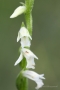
x,y
18,11
41,76
19,59
39,84
28,53
25,42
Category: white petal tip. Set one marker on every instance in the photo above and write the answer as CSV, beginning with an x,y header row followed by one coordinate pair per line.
x,y
36,57
39,86
15,64
12,16
42,76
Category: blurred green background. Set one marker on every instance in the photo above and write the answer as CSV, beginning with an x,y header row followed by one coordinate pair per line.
x,y
45,43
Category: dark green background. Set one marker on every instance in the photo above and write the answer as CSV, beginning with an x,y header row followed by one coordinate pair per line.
x,y
45,43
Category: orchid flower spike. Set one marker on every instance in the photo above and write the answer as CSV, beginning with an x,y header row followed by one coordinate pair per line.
x,y
25,37
35,77
18,11
29,55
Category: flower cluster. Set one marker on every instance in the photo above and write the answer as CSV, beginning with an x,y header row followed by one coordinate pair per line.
x,y
25,41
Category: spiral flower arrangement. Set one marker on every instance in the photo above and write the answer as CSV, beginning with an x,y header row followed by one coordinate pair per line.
x,y
26,58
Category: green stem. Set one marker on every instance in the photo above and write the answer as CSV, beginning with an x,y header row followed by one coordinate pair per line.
x,y
21,82
28,17
28,14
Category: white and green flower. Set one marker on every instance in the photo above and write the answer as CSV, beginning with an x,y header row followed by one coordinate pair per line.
x,y
29,55
35,77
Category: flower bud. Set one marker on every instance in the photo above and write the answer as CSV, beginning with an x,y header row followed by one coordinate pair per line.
x,y
18,11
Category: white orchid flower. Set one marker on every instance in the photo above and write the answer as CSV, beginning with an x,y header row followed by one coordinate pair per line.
x,y
18,11
35,77
25,37
29,55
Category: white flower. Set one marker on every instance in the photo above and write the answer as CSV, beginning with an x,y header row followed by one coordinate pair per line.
x,y
29,55
18,11
25,37
35,77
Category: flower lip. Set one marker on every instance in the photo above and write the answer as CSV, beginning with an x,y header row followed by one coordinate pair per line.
x,y
30,63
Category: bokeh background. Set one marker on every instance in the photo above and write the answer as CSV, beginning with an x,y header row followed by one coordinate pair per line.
x,y
45,43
